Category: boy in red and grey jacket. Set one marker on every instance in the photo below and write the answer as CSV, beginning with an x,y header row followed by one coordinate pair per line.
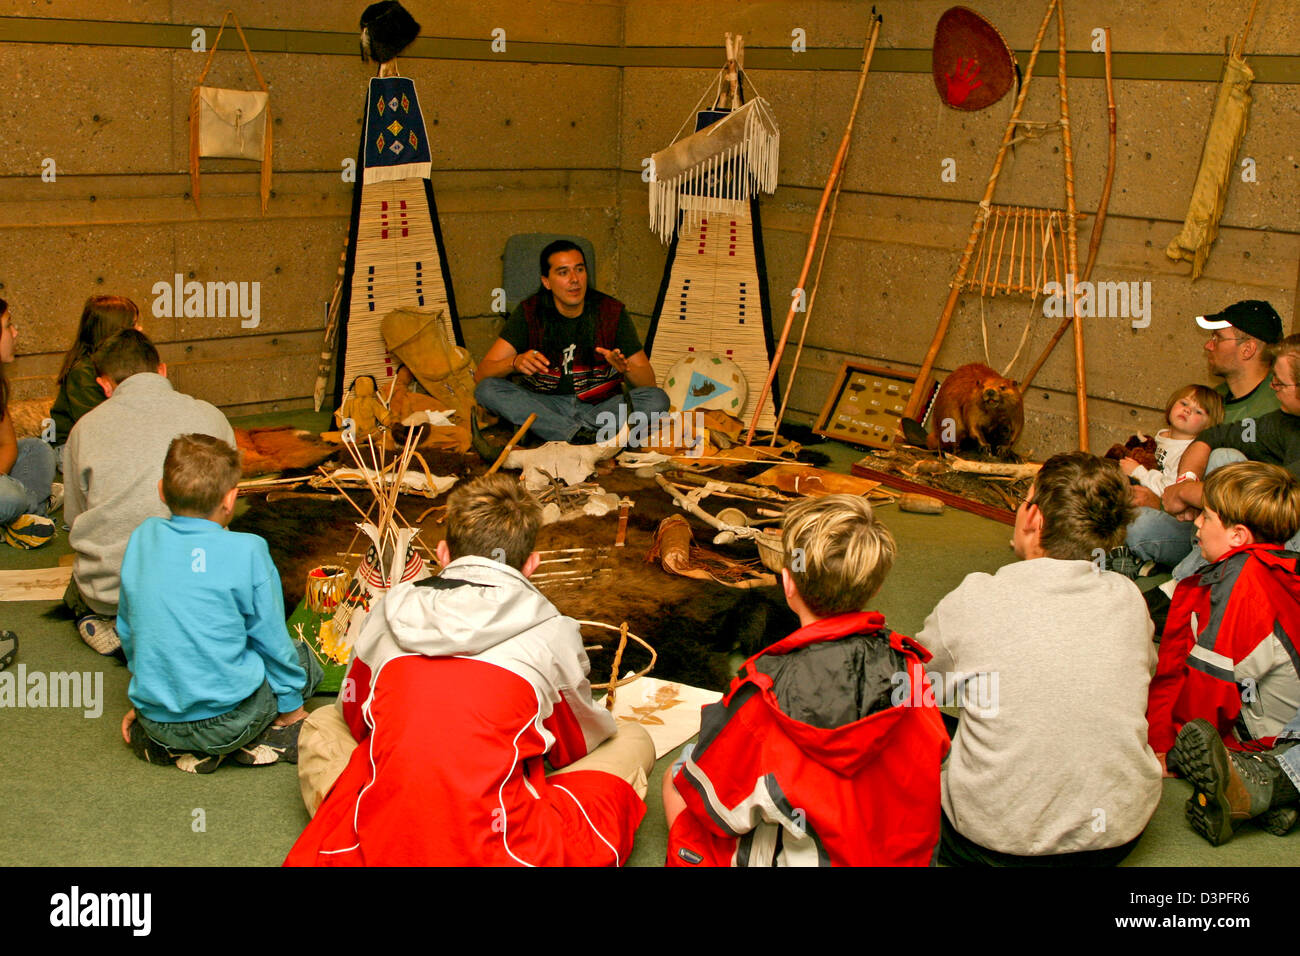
x,y
465,686
826,750
1228,659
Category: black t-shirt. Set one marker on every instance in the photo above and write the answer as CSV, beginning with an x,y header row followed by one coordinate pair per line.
x,y
559,332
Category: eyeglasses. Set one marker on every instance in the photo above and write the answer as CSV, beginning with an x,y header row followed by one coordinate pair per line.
x,y
1218,339
1278,386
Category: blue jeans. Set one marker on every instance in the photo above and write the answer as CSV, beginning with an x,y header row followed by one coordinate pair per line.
x,y
561,417
1289,759
227,732
27,486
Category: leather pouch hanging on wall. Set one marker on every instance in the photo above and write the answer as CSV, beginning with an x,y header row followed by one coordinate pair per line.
x,y
230,124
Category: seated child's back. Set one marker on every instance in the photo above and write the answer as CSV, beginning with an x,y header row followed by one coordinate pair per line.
x,y
826,750
201,616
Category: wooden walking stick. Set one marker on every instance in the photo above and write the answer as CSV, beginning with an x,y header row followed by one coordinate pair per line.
x,y
836,168
514,440
1094,240
917,397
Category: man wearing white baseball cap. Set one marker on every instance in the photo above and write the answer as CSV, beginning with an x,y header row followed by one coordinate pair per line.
x,y
1238,352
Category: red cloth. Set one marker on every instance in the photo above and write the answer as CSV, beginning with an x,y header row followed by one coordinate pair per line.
x,y
763,788
1217,619
452,774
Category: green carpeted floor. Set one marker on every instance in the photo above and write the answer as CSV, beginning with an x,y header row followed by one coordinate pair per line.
x,y
71,793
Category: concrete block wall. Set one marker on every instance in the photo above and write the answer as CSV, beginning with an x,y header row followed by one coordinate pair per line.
x,y
549,135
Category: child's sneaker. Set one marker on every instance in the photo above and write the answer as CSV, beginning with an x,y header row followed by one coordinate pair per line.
x,y
1123,561
256,755
55,501
8,648
28,531
148,749
100,634
198,763
273,745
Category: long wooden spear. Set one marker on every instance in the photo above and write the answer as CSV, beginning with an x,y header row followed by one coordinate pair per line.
x,y
840,157
1094,240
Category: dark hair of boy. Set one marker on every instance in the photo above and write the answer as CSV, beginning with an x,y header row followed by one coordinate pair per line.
x,y
124,354
491,515
197,473
1085,504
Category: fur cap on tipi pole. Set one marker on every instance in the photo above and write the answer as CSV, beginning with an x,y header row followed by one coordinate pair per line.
x,y
704,198
395,257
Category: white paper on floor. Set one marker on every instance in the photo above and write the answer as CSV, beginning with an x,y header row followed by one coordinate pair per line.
x,y
670,712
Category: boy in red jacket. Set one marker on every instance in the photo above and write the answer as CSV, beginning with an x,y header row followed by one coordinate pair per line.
x,y
826,750
464,686
1228,658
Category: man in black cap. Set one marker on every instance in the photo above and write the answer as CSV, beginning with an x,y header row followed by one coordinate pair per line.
x,y
1237,351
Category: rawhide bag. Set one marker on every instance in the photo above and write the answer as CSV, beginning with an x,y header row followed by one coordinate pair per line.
x,y
230,124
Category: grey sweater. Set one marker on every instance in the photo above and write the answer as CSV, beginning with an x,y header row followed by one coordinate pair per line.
x,y
111,468
1056,760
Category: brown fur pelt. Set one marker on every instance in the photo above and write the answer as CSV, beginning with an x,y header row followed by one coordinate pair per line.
x,y
695,626
1141,448
977,406
282,448
28,416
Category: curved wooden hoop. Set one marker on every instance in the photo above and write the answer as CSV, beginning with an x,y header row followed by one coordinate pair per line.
x,y
624,635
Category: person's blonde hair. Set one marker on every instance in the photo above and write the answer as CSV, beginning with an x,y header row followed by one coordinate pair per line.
x,y
1265,498
1085,504
1202,395
837,552
197,473
493,516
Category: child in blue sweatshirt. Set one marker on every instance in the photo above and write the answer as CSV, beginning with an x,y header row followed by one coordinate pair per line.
x,y
201,618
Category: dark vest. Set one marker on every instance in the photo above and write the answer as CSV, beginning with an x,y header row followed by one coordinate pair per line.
x,y
594,379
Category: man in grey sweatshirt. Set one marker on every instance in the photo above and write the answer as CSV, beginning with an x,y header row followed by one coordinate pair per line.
x,y
1052,766
111,467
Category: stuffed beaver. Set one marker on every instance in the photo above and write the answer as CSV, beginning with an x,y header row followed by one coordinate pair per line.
x,y
976,404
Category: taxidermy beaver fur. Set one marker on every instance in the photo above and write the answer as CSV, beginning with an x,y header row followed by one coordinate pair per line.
x,y
976,404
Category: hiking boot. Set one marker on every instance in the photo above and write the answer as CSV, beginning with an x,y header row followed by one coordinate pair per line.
x,y
1123,561
1279,821
27,532
148,749
8,648
100,634
1229,788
